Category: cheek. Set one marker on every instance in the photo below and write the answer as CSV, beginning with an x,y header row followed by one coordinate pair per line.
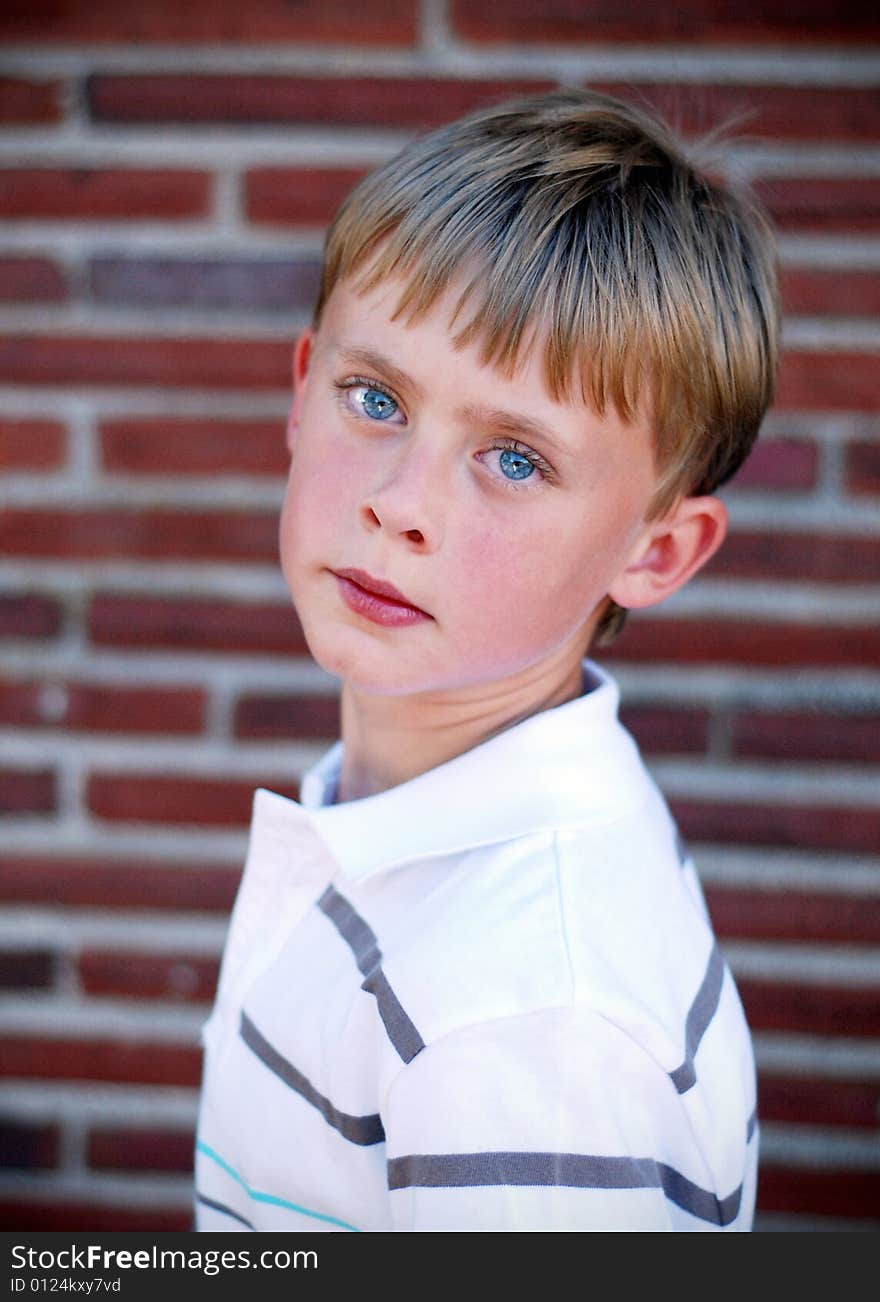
x,y
317,496
531,579
301,531
524,578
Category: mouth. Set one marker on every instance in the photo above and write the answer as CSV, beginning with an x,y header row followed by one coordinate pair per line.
x,y
376,587
377,600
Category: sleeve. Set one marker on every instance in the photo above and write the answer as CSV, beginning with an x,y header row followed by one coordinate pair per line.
x,y
549,1121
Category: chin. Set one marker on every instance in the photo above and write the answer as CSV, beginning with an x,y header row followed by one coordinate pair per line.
x,y
358,661
375,671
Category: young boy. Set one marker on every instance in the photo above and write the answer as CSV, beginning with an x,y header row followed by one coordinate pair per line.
x,y
470,982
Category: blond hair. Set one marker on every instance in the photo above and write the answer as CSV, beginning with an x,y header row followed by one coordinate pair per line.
x,y
580,217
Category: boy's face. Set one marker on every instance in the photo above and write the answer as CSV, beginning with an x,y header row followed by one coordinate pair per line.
x,y
506,537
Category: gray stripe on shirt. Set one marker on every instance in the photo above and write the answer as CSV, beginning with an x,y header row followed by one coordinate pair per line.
x,y
360,937
701,1013
751,1125
359,1130
352,928
401,1032
573,1170
221,1207
681,849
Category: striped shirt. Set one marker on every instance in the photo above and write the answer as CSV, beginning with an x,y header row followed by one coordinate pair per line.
x,y
488,998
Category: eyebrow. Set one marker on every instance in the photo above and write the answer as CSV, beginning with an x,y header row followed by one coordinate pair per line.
x,y
375,361
505,422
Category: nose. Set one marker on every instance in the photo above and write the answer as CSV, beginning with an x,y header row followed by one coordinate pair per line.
x,y
408,502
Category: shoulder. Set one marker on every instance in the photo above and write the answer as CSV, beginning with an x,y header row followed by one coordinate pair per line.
x,y
476,935
565,917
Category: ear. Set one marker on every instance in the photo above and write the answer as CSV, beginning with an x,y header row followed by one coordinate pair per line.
x,y
670,551
302,351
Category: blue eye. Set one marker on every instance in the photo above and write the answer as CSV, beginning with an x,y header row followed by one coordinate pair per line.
x,y
514,465
379,405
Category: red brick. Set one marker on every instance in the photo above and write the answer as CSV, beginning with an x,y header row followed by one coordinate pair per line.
x,y
743,913
691,21
31,969
31,444
158,534
124,883
823,291
129,1061
314,101
789,463
27,792
100,193
810,1010
738,641
29,616
141,1150
28,1147
818,557
660,730
195,624
816,827
267,284
822,203
817,1102
287,716
194,446
813,381
46,1216
826,113
213,22
183,798
863,467
148,976
297,196
88,708
23,101
108,360
817,736
851,1194
31,280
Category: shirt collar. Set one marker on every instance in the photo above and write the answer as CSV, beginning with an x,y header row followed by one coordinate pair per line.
x,y
565,766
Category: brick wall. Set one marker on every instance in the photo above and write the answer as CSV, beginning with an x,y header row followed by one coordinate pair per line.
x,y
166,171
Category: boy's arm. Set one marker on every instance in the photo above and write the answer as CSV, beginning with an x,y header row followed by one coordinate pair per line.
x,y
555,1120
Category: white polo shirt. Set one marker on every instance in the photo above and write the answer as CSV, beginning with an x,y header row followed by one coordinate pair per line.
x,y
486,999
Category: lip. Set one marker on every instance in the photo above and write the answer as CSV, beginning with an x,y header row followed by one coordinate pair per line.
x,y
377,600
377,586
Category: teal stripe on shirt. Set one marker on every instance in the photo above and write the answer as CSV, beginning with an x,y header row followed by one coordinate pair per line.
x,y
269,1198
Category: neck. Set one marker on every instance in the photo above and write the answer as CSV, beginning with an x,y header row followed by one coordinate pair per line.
x,y
391,739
